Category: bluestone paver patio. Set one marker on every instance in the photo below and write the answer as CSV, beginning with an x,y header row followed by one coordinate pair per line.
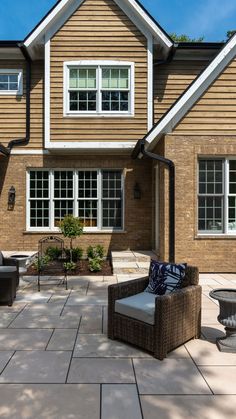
x,y
56,361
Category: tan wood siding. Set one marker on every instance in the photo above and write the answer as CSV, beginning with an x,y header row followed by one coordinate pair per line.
x,y
13,108
37,106
98,30
215,111
171,80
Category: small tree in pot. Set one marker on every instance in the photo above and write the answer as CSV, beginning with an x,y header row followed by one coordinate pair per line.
x,y
72,228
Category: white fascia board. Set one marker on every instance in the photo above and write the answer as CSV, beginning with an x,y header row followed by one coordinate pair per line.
x,y
156,31
184,104
91,145
54,20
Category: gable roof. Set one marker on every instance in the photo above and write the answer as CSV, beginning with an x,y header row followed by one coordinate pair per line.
x,y
191,95
63,9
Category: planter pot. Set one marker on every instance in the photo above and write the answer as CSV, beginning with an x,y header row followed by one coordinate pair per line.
x,y
227,317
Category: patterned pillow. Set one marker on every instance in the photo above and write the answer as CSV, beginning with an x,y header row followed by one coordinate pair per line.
x,y
165,278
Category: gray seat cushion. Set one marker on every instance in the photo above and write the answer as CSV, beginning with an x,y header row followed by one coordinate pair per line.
x,y
7,269
140,307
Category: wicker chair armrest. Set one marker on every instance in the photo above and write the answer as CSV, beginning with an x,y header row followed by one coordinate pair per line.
x,y
122,290
11,262
126,289
176,298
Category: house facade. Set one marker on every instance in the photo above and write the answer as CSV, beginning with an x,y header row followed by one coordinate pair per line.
x,y
93,90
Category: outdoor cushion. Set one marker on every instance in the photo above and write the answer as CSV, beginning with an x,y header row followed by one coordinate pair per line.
x,y
1,259
165,278
139,306
8,269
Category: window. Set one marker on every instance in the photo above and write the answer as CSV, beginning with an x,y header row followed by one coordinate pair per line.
x,y
93,88
11,82
217,196
95,196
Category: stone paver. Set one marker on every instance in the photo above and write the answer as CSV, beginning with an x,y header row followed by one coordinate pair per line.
x,y
42,321
36,310
5,356
37,367
186,407
207,353
95,370
120,401
55,401
100,346
6,319
60,337
24,339
171,376
76,300
220,378
62,340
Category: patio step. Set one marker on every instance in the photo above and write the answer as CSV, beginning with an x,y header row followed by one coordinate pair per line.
x,y
128,262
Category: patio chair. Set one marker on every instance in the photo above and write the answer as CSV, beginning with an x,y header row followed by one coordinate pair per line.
x,y
154,323
9,279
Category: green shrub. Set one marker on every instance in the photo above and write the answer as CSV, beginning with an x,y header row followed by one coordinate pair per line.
x,y
77,253
53,252
41,262
94,252
95,264
69,266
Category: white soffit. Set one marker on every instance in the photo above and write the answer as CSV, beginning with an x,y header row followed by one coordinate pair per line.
x,y
192,94
65,8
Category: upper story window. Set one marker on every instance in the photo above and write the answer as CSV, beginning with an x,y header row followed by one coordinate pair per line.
x,y
217,196
11,82
98,88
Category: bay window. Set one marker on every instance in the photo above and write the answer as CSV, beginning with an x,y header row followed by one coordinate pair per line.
x,y
95,88
95,196
217,196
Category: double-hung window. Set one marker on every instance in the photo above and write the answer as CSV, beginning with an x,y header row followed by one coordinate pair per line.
x,y
98,89
217,196
95,196
11,82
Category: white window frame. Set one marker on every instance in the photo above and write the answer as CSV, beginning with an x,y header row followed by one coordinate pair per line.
x,y
98,65
51,227
11,71
225,196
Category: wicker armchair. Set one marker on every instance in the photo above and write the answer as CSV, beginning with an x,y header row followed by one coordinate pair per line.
x,y
177,317
9,279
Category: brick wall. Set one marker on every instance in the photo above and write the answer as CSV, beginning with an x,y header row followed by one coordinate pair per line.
x,y
138,213
213,254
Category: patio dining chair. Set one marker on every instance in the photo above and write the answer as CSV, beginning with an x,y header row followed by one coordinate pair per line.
x,y
155,323
9,279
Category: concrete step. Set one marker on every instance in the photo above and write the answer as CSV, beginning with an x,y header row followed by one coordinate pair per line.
x,y
129,262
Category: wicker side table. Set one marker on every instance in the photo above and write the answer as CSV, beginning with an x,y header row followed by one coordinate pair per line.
x,y
227,317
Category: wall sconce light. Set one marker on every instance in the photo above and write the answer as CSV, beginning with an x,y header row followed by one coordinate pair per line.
x,y
11,198
137,191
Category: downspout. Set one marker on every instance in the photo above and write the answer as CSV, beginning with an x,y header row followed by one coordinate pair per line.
x,y
6,151
140,149
24,141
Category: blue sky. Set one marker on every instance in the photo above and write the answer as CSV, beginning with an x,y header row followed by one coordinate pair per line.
x,y
208,18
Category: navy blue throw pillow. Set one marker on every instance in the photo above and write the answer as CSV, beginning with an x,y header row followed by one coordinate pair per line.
x,y
165,278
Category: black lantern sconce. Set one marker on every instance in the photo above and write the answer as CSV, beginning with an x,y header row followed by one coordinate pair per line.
x,y
137,191
11,198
